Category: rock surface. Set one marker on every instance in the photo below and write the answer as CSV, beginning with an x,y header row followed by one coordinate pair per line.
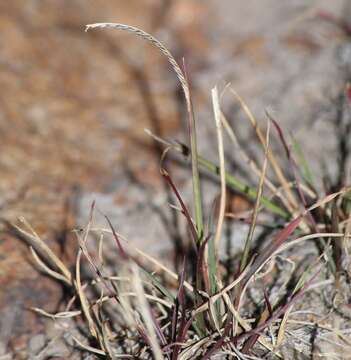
x,y
74,106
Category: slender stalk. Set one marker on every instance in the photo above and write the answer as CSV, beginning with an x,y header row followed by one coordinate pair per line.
x,y
248,242
182,77
195,174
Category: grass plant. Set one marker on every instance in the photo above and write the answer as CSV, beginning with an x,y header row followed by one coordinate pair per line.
x,y
146,310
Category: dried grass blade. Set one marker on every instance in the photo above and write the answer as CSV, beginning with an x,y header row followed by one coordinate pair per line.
x,y
252,164
277,169
60,315
40,246
249,238
217,116
88,348
46,269
83,299
145,312
294,167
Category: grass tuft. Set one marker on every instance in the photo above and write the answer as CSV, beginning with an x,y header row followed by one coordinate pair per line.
x,y
143,309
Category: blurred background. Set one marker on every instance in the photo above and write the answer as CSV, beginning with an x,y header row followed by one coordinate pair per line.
x,y
74,105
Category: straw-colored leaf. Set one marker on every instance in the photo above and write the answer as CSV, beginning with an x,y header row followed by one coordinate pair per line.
x,y
249,238
221,213
271,157
145,312
83,300
40,246
46,269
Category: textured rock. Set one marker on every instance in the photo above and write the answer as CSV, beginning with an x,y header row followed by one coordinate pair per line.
x,y
74,106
